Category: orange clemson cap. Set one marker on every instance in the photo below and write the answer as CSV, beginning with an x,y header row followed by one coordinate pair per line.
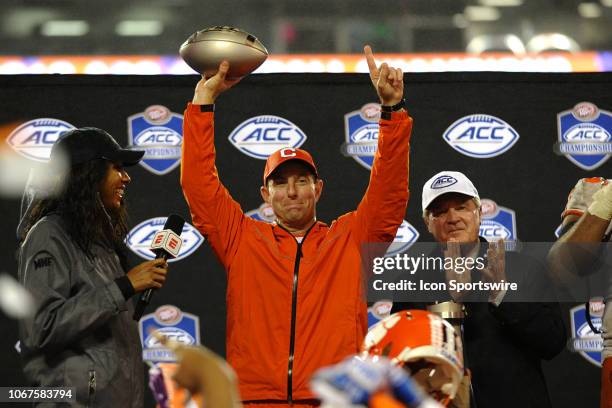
x,y
284,155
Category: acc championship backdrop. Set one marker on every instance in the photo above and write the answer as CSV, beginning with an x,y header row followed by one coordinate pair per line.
x,y
524,139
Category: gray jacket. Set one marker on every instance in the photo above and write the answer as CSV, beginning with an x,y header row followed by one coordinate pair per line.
x,y
82,334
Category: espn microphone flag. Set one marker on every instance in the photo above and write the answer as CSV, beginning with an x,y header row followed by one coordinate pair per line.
x,y
168,241
166,244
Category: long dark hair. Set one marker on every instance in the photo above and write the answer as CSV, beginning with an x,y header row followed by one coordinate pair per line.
x,y
80,207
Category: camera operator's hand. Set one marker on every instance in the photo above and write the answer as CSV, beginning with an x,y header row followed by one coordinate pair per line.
x,y
150,274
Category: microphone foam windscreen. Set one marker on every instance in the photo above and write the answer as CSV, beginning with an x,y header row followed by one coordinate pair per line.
x,y
175,223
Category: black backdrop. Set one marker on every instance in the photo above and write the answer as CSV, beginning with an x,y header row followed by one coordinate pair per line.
x,y
528,178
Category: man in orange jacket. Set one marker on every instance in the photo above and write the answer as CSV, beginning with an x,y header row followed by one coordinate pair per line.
x,y
295,295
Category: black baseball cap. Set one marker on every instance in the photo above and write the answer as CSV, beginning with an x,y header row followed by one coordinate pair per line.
x,y
90,143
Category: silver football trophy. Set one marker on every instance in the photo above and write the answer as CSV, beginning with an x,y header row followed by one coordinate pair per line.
x,y
204,50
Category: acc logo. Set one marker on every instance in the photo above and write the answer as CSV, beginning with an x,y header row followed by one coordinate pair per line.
x,y
480,136
261,136
443,182
584,135
361,134
34,139
159,133
498,223
584,341
178,335
405,237
140,237
379,311
263,213
171,322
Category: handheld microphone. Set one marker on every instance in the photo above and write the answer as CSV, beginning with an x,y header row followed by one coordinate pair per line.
x,y
166,244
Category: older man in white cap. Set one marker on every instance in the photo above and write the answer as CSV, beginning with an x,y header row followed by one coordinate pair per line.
x,y
504,341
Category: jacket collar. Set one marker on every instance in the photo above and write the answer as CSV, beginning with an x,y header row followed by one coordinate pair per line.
x,y
280,231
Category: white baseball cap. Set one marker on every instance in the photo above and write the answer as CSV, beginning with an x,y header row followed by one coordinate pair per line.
x,y
447,182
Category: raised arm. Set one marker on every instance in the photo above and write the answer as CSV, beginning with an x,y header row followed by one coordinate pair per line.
x,y
587,217
383,206
213,211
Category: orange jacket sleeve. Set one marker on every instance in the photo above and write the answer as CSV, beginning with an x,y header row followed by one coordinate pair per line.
x,y
213,210
382,209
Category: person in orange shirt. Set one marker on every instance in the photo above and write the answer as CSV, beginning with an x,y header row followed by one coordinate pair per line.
x,y
295,295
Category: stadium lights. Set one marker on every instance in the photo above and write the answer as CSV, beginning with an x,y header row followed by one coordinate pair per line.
x,y
64,28
139,28
501,3
552,42
489,43
459,21
589,10
478,13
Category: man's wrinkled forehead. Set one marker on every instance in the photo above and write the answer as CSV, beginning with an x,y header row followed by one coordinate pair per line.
x,y
449,199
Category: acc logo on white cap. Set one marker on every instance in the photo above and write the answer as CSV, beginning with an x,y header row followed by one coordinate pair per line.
x,y
33,139
261,136
480,136
140,238
443,182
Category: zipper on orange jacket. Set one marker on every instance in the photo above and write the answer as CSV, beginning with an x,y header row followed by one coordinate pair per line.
x,y
296,271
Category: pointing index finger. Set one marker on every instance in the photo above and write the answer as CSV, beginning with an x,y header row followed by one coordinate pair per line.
x,y
370,60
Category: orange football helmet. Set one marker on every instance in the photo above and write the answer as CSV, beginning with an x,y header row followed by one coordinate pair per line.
x,y
425,344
